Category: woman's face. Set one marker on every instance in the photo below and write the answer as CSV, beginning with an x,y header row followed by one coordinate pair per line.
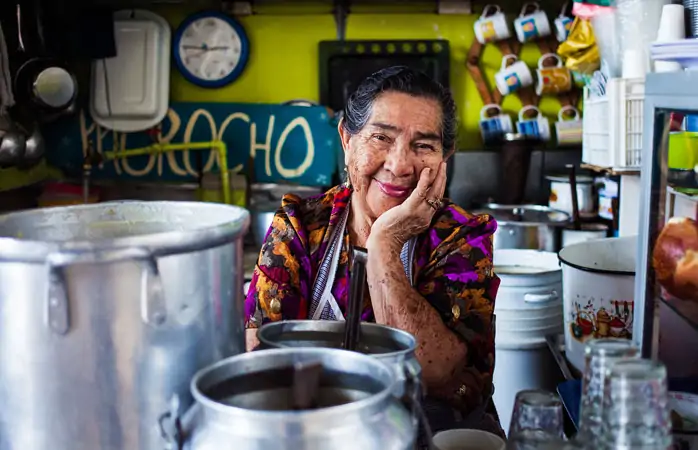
x,y
384,160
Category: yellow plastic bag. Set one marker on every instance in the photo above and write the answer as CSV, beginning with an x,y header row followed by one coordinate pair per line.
x,y
579,50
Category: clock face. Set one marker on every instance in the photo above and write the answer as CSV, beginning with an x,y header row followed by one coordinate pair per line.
x,y
211,49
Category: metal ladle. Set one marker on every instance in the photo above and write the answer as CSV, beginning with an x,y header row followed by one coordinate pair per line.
x,y
352,332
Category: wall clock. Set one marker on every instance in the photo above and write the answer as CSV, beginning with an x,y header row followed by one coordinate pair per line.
x,y
211,49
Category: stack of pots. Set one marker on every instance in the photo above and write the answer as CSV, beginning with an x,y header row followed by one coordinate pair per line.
x,y
528,308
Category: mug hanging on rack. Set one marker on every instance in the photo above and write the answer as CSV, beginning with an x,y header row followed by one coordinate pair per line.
x,y
536,127
569,132
493,128
553,80
511,78
492,25
563,24
531,23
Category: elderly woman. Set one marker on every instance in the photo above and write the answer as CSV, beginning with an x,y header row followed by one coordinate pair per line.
x,y
429,263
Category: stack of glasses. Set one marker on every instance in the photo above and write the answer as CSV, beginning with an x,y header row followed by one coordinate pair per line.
x,y
624,406
624,399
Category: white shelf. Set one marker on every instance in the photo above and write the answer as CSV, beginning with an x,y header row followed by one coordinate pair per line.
x,y
679,204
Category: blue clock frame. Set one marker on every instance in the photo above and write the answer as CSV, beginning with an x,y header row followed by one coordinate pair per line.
x,y
244,50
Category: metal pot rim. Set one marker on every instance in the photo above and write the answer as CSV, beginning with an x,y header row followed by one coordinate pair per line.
x,y
338,411
331,325
540,208
592,269
157,244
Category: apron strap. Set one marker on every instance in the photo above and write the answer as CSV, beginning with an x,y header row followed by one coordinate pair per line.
x,y
320,304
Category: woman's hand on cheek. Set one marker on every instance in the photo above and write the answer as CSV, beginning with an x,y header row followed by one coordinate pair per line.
x,y
399,224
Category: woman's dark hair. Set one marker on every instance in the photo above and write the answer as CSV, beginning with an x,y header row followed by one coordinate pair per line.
x,y
408,81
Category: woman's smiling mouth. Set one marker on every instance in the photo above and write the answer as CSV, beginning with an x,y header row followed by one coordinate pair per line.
x,y
392,190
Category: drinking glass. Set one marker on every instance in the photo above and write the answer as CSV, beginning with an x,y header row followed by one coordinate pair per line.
x,y
635,409
537,410
599,355
533,440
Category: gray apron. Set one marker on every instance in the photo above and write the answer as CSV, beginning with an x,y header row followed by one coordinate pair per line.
x,y
323,306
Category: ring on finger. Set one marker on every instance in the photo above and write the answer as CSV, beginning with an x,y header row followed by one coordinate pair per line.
x,y
436,203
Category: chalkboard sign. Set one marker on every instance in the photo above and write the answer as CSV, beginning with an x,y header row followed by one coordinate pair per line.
x,y
296,144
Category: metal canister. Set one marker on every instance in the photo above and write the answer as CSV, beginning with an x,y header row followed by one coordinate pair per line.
x,y
247,403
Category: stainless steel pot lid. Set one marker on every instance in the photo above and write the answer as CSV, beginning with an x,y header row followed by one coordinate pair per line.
x,y
525,214
581,179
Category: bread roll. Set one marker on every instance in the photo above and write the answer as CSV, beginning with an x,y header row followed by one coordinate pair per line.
x,y
675,258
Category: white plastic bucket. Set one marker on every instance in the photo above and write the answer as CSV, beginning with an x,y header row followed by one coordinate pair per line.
x,y
528,308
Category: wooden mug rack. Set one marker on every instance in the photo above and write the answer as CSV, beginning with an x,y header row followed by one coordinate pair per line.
x,y
527,95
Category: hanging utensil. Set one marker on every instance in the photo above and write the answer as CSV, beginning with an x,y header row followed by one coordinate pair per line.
x,y
356,298
46,88
34,147
575,199
12,143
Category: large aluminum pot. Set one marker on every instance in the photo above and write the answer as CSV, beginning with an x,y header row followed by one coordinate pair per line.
x,y
245,403
391,346
106,313
532,227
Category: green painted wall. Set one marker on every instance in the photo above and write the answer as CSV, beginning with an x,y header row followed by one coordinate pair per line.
x,y
283,63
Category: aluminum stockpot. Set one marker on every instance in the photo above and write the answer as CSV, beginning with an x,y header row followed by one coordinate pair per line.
x,y
244,403
106,313
391,346
532,227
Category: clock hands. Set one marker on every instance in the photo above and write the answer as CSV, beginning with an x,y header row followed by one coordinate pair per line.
x,y
204,47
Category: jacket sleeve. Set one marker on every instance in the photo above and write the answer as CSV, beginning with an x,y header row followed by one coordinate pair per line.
x,y
279,289
457,279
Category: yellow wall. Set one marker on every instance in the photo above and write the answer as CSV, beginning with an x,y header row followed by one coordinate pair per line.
x,y
283,63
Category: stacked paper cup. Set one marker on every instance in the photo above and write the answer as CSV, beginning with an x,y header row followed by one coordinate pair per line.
x,y
672,27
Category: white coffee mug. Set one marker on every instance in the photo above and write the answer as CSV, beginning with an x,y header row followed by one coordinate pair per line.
x,y
463,439
531,25
511,78
536,127
568,131
494,127
563,24
492,25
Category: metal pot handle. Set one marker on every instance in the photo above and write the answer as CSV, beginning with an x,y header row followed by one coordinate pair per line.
x,y
413,399
153,305
170,426
541,298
